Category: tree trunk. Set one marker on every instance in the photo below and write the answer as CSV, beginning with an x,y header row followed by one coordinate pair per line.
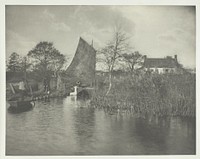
x,y
110,83
113,62
25,75
110,79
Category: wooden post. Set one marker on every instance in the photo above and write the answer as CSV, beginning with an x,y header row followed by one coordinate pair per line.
x,y
12,88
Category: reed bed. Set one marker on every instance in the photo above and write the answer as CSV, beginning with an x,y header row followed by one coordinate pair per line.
x,y
149,95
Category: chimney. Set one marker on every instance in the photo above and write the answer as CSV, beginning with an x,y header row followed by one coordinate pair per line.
x,y
144,59
175,58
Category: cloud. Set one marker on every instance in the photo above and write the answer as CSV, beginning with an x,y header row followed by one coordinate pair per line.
x,y
60,27
102,17
91,37
154,30
166,37
172,35
48,15
55,25
99,36
180,42
179,31
17,43
178,35
76,11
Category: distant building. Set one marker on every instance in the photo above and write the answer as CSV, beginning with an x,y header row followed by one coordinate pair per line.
x,y
162,65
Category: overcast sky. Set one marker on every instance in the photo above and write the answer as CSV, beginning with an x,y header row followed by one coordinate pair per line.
x,y
156,31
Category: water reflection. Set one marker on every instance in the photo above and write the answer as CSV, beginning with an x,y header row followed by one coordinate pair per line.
x,y
84,127
70,127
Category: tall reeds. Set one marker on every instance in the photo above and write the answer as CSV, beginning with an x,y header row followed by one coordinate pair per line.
x,y
149,94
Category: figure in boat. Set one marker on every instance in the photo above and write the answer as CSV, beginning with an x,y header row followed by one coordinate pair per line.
x,y
22,89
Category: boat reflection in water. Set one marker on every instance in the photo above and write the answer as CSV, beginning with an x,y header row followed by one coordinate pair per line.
x,y
20,106
70,127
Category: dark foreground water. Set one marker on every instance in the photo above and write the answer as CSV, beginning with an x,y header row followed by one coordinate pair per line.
x,y
69,127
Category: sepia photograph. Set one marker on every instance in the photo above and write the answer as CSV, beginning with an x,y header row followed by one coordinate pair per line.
x,y
100,80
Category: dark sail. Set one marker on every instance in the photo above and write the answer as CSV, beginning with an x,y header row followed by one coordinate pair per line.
x,y
82,67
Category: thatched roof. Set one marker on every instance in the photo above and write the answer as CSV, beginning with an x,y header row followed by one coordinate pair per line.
x,y
82,67
160,63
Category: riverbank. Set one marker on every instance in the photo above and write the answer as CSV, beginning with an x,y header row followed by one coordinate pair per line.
x,y
149,95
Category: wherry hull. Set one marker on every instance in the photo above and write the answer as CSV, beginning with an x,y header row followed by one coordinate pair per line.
x,y
20,106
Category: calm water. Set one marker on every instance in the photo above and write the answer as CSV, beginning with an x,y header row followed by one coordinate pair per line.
x,y
69,127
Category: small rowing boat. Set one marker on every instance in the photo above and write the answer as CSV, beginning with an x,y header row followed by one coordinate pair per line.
x,y
20,106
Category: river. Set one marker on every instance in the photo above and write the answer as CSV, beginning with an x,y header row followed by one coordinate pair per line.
x,y
70,127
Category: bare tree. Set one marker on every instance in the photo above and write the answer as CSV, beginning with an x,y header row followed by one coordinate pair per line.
x,y
104,56
114,51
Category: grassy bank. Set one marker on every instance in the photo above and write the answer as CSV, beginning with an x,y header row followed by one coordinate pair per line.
x,y
149,95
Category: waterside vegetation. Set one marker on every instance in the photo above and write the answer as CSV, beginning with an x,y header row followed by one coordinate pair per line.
x,y
149,94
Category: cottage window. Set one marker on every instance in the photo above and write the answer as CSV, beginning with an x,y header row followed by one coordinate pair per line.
x,y
172,71
156,70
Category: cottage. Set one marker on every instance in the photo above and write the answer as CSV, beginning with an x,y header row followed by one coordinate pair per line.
x,y
162,65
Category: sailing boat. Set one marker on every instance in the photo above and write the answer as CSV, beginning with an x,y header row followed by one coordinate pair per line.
x,y
19,103
81,72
